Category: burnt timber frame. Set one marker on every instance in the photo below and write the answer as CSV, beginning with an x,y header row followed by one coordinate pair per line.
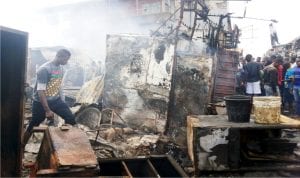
x,y
13,52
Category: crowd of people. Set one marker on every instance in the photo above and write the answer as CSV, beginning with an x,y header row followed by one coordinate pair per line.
x,y
271,76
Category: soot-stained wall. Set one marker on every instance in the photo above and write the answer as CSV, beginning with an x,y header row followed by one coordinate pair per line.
x,y
138,79
192,86
193,81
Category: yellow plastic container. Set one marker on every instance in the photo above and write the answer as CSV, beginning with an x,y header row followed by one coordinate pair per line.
x,y
267,109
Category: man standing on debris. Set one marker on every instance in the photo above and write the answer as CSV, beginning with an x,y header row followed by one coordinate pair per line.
x,y
253,72
47,94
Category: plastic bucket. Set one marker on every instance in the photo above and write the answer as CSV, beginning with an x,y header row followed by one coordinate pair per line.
x,y
267,109
238,108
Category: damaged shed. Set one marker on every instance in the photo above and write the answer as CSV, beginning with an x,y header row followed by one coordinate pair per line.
x,y
137,83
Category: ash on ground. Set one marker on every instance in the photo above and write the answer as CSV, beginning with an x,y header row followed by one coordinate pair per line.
x,y
116,140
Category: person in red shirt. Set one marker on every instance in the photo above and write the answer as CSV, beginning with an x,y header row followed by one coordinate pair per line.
x,y
280,76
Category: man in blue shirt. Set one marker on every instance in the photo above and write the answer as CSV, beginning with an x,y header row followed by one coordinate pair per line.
x,y
296,88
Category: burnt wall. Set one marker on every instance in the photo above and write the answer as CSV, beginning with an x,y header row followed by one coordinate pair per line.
x,y
138,79
193,81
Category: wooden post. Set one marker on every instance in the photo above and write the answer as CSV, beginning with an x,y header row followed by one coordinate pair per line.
x,y
13,66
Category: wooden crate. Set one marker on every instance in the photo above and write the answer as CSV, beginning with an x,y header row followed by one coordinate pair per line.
x,y
65,153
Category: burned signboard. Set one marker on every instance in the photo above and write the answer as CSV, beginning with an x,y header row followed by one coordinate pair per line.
x,y
138,79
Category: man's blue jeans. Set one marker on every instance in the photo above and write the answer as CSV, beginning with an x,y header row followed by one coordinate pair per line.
x,y
297,100
57,106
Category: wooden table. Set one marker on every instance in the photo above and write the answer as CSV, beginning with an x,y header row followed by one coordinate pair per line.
x,y
215,144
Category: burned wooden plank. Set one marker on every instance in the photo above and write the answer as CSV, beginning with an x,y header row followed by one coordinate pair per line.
x,y
65,153
45,158
222,121
149,166
13,50
40,129
76,172
72,147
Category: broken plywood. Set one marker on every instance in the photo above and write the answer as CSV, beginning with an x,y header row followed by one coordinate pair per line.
x,y
91,91
138,79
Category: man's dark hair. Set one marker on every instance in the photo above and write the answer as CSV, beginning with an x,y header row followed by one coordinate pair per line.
x,y
248,57
63,52
268,61
293,59
286,59
258,59
286,65
273,58
279,59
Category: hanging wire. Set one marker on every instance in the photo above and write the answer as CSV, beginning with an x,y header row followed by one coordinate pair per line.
x,y
245,9
164,23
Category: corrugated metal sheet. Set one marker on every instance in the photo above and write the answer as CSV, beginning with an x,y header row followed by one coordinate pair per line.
x,y
226,69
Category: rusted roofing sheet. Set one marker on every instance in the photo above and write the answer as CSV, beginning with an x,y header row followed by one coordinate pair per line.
x,y
225,74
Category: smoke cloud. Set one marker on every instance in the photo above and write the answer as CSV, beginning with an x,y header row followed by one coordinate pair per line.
x,y
78,24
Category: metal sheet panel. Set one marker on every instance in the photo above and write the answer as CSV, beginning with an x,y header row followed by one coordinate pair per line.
x,y
225,74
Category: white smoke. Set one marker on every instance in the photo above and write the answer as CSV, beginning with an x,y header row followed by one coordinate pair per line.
x,y
78,24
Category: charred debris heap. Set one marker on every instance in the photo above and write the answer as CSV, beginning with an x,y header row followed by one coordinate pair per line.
x,y
139,107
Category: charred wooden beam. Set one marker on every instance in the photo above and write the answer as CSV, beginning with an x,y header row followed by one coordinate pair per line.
x,y
13,64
